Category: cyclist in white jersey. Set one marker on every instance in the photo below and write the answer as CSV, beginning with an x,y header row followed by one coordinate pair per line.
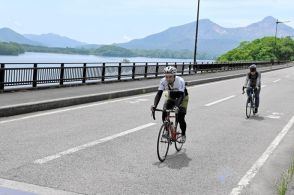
x,y
177,97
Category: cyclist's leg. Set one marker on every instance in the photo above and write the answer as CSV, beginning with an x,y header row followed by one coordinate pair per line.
x,y
182,122
257,92
182,113
249,92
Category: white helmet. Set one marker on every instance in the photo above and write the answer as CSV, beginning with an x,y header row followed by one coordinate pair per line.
x,y
170,70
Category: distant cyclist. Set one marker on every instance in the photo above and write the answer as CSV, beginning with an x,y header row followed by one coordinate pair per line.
x,y
253,82
177,97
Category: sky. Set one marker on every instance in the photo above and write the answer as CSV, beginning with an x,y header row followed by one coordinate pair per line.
x,y
116,21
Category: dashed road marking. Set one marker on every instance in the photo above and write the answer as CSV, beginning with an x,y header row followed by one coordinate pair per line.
x,y
219,101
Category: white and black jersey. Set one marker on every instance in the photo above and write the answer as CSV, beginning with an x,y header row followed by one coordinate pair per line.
x,y
179,85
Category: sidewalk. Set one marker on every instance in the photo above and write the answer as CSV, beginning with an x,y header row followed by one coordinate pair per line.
x,y
11,100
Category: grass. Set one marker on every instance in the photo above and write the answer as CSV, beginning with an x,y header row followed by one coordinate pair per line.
x,y
282,186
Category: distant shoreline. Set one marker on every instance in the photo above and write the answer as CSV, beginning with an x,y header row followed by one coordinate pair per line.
x,y
16,49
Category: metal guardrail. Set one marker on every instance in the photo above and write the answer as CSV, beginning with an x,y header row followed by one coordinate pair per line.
x,y
60,74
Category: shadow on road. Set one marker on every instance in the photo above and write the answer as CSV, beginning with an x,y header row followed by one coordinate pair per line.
x,y
257,118
177,160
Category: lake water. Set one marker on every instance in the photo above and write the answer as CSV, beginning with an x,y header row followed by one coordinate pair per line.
x,y
30,57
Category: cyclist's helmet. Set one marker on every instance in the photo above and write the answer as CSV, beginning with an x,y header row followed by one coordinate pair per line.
x,y
170,70
252,68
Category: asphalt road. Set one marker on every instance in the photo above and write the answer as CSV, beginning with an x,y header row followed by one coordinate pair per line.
x,y
109,147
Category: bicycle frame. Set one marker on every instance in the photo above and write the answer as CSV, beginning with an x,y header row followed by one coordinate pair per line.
x,y
167,120
252,98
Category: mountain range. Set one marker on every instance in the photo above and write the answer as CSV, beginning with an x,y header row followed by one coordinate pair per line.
x,y
213,38
48,40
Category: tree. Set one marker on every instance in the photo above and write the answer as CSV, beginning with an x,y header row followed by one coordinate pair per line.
x,y
261,49
10,49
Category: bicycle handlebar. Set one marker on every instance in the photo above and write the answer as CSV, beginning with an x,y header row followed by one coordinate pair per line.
x,y
160,110
248,87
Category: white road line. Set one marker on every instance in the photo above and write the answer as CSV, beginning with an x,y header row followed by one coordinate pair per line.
x,y
221,100
138,101
263,86
207,84
71,109
275,81
25,187
91,144
260,162
275,115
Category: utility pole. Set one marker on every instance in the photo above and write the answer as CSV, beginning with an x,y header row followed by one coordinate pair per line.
x,y
196,38
276,33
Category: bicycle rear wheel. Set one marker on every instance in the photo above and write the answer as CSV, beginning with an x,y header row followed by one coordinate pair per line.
x,y
163,142
178,142
248,108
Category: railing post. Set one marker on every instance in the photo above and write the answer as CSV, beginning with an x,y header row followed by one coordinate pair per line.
x,y
103,73
134,71
156,70
119,72
84,72
2,77
183,68
146,70
61,74
35,75
195,67
190,66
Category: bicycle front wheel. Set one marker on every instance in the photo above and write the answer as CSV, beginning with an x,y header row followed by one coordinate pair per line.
x,y
248,108
179,143
163,142
253,106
